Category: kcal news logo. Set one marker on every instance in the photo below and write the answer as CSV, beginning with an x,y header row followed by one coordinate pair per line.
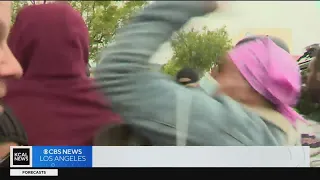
x,y
20,156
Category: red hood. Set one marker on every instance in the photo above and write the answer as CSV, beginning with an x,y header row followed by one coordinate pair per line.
x,y
50,40
55,100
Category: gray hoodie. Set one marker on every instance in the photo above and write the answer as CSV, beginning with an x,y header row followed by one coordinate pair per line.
x,y
168,113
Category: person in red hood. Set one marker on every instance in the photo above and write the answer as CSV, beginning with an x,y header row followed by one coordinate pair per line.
x,y
55,100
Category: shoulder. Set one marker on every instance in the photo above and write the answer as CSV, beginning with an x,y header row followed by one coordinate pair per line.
x,y
227,122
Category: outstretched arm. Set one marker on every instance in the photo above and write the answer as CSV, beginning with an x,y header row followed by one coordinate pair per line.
x,y
125,64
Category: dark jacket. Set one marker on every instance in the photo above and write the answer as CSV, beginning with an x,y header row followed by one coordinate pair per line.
x,y
11,130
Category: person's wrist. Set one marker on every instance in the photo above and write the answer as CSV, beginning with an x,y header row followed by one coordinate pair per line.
x,y
215,6
210,6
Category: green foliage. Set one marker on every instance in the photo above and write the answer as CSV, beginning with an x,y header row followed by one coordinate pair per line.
x,y
171,68
197,50
103,18
16,6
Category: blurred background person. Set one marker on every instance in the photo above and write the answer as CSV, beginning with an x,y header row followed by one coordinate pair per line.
x,y
311,137
187,77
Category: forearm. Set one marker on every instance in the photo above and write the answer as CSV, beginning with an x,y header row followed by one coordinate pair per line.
x,y
138,41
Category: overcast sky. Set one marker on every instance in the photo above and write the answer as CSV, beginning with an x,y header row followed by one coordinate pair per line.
x,y
298,22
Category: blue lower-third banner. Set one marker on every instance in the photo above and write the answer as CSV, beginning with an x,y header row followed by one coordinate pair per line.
x,y
61,156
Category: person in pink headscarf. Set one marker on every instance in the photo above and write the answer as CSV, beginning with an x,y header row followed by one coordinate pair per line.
x,y
278,81
263,77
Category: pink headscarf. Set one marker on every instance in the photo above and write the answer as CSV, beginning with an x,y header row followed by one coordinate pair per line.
x,y
272,72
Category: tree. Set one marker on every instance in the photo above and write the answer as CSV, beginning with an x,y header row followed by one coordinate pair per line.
x,y
197,50
16,6
103,18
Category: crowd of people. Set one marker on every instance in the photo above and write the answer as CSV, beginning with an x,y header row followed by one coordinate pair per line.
x,y
49,99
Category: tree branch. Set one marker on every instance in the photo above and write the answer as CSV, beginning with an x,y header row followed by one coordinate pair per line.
x,y
98,40
93,14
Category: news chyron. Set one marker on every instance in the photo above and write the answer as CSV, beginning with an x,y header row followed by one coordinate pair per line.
x,y
32,157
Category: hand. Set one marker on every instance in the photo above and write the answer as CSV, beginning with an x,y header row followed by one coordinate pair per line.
x,y
216,5
210,6
222,5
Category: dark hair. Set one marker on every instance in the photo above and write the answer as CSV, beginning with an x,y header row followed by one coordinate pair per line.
x,y
245,40
276,40
11,130
187,73
317,60
120,135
